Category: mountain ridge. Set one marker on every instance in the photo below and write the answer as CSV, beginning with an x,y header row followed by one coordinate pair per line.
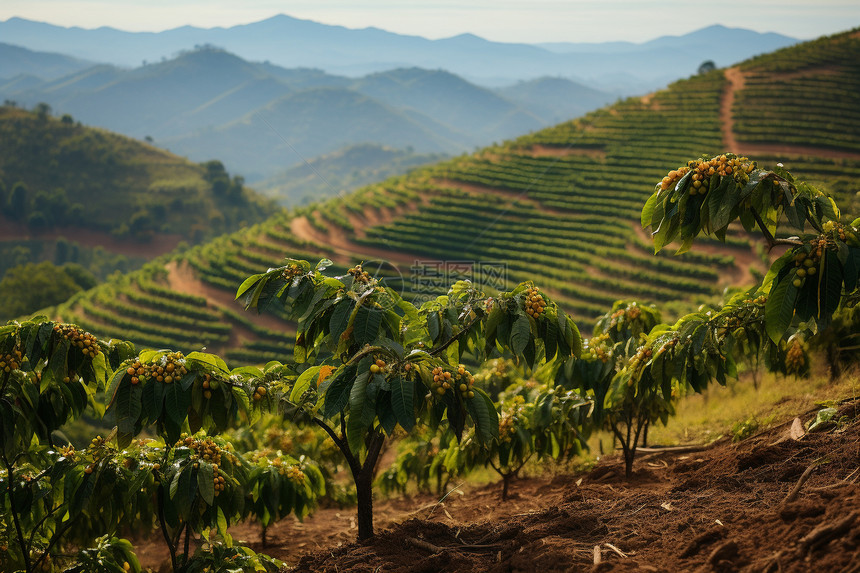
x,y
352,52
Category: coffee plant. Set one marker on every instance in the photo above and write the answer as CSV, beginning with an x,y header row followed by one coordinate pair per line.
x,y
369,365
374,361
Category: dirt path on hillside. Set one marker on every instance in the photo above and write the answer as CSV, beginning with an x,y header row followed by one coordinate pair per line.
x,y
735,84
374,216
181,278
161,243
738,274
538,150
344,248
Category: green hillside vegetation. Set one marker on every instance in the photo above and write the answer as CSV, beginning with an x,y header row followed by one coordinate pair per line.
x,y
341,172
532,204
59,178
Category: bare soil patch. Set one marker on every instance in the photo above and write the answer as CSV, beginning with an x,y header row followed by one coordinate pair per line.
x,y
716,510
553,151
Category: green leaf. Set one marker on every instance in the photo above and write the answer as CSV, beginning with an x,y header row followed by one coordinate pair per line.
x,y
402,394
247,284
206,482
339,320
303,383
355,426
177,402
648,209
366,326
722,201
520,334
779,308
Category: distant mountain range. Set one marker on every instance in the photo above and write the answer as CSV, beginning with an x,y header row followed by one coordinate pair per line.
x,y
271,95
292,42
261,119
16,61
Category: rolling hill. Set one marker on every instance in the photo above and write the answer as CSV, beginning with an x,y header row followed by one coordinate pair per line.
x,y
204,100
340,172
559,206
16,61
99,190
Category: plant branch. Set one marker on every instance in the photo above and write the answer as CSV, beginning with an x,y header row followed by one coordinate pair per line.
x,y
163,523
56,537
439,349
11,477
38,525
340,443
771,241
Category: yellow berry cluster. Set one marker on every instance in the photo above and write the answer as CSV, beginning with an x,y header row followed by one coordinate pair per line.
x,y
641,357
378,366
68,452
95,445
291,272
462,381
259,393
836,229
293,473
795,358
206,449
169,369
11,360
535,303
209,384
595,353
506,428
759,300
703,169
88,343
360,275
220,484
807,263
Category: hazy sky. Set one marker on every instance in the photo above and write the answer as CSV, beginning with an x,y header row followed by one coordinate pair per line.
x,y
499,20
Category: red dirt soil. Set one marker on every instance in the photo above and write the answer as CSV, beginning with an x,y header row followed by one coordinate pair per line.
x,y
722,509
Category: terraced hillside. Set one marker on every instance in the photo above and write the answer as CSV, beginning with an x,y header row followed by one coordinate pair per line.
x,y
560,206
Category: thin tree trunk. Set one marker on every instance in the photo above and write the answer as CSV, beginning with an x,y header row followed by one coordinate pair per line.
x,y
364,486
506,478
364,490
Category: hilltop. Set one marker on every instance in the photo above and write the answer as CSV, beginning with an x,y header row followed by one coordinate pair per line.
x,y
86,189
560,206
284,116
